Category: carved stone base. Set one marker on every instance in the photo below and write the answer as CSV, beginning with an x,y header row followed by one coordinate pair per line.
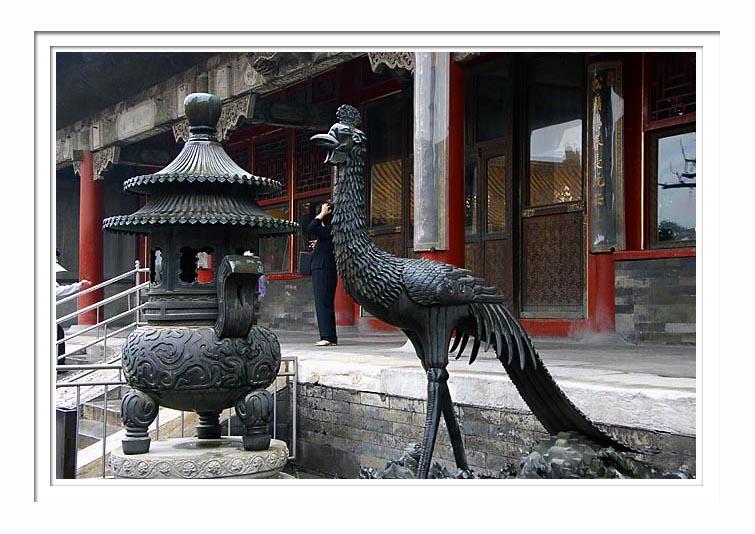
x,y
201,459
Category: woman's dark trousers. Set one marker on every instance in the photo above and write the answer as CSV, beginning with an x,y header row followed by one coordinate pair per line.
x,y
324,282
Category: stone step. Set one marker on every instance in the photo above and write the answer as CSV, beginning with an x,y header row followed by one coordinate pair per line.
x,y
77,348
85,441
91,432
93,410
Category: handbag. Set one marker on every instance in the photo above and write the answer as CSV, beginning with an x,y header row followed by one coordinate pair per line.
x,y
305,263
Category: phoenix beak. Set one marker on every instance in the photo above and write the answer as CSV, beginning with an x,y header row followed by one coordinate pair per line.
x,y
327,141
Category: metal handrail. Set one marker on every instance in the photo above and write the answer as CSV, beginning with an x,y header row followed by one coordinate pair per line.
x,y
137,270
102,284
98,340
97,325
103,302
86,384
89,367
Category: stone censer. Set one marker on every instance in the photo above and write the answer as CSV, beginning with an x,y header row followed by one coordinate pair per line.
x,y
201,349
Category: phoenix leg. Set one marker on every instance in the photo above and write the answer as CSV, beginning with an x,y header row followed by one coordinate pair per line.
x,y
435,377
453,428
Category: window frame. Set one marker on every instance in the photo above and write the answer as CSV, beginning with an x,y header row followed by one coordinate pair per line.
x,y
651,179
652,132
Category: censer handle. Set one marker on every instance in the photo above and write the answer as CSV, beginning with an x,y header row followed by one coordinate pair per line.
x,y
237,281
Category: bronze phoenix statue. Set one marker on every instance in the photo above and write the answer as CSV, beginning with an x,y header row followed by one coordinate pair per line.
x,y
429,301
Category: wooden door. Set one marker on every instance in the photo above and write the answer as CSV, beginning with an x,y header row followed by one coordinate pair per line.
x,y
489,175
553,246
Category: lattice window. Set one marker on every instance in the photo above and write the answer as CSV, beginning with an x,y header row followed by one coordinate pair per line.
x,y
270,162
671,88
311,173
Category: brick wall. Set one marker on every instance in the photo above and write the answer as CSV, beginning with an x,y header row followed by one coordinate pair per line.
x,y
340,430
655,300
288,305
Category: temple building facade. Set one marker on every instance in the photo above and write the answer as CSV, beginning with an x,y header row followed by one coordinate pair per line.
x,y
567,180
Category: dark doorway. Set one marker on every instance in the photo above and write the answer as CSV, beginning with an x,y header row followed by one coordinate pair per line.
x,y
553,253
489,174
523,184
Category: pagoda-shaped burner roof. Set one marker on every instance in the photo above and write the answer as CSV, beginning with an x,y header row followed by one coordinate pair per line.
x,y
202,186
201,162
199,208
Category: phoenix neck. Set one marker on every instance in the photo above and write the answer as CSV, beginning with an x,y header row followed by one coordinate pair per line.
x,y
355,252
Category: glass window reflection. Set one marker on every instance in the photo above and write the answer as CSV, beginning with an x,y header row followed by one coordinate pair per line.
x,y
554,120
677,179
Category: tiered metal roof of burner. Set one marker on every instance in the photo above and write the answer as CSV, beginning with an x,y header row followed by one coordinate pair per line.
x,y
201,349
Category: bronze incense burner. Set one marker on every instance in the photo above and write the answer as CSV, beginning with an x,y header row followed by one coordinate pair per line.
x,y
201,349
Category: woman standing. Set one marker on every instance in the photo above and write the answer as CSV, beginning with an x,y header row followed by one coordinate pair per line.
x,y
323,267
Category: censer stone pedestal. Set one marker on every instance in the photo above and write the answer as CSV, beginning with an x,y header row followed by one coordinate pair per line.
x,y
201,459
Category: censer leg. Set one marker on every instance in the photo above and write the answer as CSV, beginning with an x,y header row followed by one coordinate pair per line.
x,y
138,410
209,425
255,411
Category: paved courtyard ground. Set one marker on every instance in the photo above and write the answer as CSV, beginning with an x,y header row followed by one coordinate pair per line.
x,y
606,353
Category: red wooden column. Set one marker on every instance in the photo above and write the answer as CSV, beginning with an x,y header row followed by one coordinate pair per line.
x,y
602,293
90,236
455,253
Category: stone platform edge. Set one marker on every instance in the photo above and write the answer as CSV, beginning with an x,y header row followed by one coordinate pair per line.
x,y
637,401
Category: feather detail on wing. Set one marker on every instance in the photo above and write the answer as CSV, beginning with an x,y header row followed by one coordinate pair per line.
x,y
430,283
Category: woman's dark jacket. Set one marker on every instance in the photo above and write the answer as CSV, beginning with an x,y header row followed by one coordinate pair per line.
x,y
323,256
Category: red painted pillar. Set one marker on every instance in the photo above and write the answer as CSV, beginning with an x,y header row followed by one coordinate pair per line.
x,y
90,236
344,306
455,253
604,311
633,112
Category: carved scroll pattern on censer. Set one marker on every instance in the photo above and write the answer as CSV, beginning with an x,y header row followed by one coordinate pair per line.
x,y
156,359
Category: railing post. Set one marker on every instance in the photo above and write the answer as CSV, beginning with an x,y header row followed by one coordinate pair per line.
x,y
295,408
65,442
104,432
138,299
